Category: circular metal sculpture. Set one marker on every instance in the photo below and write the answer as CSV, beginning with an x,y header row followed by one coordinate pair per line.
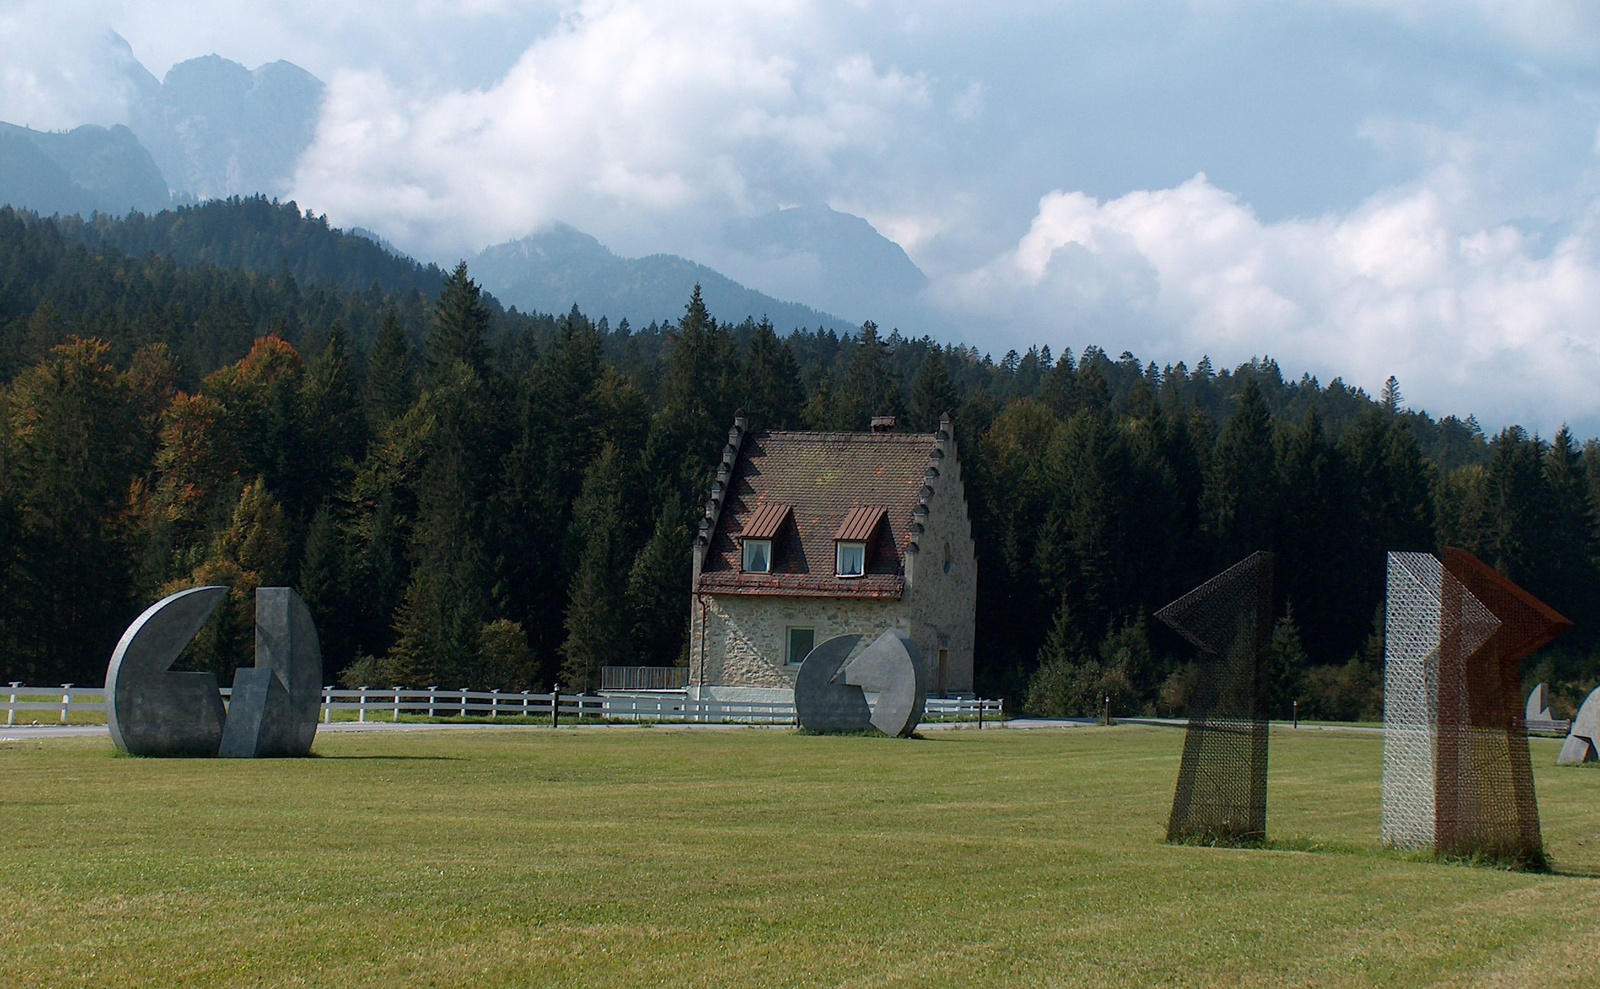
x,y
153,711
1584,738
830,695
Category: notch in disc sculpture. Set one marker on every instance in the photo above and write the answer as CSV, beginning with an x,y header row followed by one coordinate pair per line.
x,y
830,696
1222,782
155,711
1457,778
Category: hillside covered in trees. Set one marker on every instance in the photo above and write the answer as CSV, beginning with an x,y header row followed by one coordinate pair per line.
x,y
471,496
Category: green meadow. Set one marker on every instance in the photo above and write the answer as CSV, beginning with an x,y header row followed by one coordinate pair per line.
x,y
662,856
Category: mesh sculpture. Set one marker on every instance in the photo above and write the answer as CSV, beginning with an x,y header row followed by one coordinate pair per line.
x,y
155,711
1222,782
1456,774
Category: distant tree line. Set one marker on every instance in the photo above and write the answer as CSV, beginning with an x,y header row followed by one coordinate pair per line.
x,y
472,496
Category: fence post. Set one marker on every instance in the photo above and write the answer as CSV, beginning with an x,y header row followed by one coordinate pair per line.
x,y
555,706
463,702
11,712
361,712
980,713
524,703
433,698
327,705
66,701
397,689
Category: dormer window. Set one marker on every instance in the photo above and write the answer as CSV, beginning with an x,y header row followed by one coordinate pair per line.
x,y
850,559
761,531
758,556
854,538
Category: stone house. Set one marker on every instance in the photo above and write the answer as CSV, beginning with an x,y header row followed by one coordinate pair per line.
x,y
809,535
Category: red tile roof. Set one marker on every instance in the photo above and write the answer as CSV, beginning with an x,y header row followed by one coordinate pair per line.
x,y
823,478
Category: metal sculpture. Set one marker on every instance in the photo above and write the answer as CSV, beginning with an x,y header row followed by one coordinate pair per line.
x,y
1583,741
273,711
830,694
1456,774
1221,796
150,709
154,711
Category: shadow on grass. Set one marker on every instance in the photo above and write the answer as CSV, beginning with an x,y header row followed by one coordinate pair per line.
x,y
388,758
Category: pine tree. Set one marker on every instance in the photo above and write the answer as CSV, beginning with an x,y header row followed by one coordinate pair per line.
x,y
770,381
1287,664
597,618
391,377
869,387
460,328
658,591
1241,494
932,392
335,426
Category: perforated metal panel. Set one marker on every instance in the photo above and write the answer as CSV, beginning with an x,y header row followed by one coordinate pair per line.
x,y
1221,794
1456,774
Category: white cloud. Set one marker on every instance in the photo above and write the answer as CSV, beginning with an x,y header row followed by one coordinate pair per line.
x,y
1470,318
627,115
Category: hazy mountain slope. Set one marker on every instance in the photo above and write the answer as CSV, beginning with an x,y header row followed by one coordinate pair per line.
x,y
79,171
559,267
218,129
833,260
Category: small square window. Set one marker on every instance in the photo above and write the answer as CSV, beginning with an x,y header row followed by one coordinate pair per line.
x,y
800,642
851,559
758,556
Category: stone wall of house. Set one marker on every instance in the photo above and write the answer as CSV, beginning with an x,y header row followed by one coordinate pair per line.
x,y
740,638
940,606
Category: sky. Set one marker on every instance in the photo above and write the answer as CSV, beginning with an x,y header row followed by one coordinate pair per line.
x,y
1357,188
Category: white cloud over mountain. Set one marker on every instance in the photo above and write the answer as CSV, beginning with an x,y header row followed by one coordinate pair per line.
x,y
1359,188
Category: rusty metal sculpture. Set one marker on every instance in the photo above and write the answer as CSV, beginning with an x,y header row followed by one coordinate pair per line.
x,y
1457,779
1221,795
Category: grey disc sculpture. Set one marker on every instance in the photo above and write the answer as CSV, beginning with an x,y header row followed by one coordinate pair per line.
x,y
154,711
1583,740
830,695
150,709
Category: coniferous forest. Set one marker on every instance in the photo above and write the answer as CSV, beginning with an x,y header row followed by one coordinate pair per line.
x,y
467,495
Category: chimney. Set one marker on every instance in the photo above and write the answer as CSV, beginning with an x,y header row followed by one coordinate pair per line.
x,y
882,424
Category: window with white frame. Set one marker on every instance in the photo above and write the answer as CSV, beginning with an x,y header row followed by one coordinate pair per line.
x,y
850,559
758,556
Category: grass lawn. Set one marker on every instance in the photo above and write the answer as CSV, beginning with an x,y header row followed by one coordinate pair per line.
x,y
643,856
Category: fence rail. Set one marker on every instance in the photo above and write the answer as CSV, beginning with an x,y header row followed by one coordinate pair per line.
x,y
56,705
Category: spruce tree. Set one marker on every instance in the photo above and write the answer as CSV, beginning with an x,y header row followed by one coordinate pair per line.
x,y
391,376
597,618
869,387
770,381
460,328
658,591
1241,494
932,392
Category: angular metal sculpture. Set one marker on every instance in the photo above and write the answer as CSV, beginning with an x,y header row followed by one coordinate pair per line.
x,y
1583,741
830,696
1456,774
1221,794
273,710
150,709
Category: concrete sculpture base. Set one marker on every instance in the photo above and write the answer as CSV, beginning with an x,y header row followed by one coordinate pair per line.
x,y
830,696
1583,741
153,711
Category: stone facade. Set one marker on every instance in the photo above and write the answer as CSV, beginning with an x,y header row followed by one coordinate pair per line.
x,y
741,638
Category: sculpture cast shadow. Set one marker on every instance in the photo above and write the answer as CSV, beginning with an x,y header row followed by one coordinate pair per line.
x,y
155,711
1221,796
830,695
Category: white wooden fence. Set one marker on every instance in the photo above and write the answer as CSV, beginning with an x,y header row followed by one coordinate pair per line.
x,y
53,705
